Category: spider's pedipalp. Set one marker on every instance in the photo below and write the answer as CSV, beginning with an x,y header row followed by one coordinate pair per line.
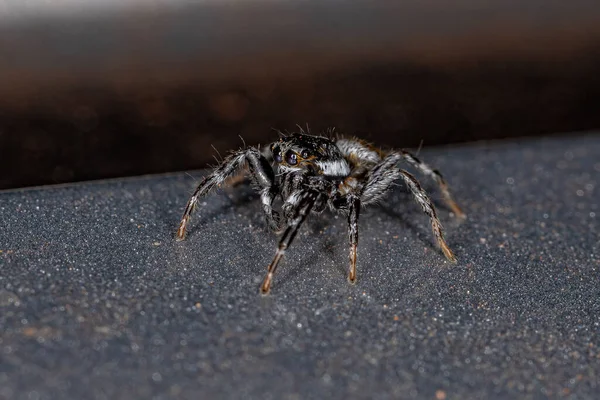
x,y
295,187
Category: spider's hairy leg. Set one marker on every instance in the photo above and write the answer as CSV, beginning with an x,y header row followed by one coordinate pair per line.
x,y
358,151
242,175
437,176
294,223
427,206
382,177
261,174
353,213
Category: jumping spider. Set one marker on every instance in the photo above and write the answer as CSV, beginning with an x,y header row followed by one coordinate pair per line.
x,y
310,173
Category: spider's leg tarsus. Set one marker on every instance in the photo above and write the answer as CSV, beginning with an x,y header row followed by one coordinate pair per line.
x,y
458,212
181,230
437,230
447,252
191,205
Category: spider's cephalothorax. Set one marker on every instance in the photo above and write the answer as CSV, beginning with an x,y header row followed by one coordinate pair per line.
x,y
310,173
315,154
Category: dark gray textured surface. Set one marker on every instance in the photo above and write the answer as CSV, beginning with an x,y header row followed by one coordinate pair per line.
x,y
98,301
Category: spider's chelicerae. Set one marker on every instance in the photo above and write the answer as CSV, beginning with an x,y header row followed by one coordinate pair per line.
x,y
310,173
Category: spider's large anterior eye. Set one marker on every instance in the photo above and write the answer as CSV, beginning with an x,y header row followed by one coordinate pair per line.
x,y
277,154
291,158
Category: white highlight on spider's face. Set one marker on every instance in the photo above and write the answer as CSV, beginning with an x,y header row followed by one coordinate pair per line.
x,y
334,168
286,168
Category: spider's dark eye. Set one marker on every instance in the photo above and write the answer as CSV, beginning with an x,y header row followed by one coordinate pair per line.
x,y
304,154
277,154
291,158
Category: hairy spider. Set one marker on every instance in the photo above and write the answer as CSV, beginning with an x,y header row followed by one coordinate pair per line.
x,y
310,173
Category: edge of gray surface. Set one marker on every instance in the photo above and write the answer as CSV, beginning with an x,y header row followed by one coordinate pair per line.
x,y
98,301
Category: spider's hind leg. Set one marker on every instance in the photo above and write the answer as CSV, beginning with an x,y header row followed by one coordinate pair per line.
x,y
260,172
383,176
427,206
437,176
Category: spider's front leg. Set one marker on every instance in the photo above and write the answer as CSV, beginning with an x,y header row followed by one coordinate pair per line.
x,y
298,214
353,213
261,174
344,195
347,197
242,176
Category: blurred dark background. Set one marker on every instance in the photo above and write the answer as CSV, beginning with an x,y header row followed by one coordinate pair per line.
x,y
93,90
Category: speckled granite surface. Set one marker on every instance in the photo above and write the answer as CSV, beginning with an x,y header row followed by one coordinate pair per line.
x,y
98,301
